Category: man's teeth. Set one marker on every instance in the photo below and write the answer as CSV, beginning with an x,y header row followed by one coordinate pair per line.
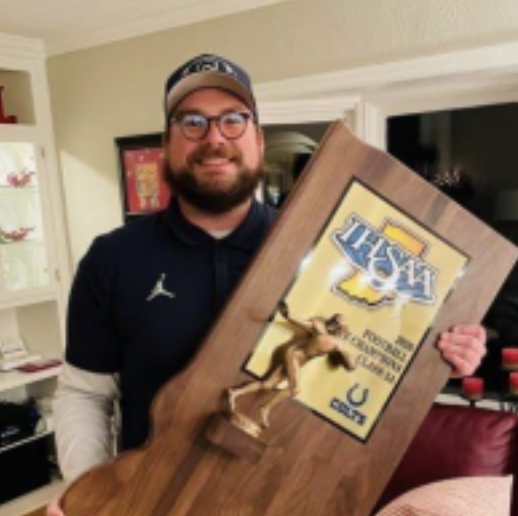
x,y
214,161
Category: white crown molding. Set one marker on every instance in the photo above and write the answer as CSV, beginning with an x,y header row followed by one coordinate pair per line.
x,y
184,14
306,110
480,62
481,76
17,47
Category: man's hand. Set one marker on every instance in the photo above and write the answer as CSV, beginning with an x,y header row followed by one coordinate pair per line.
x,y
53,508
463,348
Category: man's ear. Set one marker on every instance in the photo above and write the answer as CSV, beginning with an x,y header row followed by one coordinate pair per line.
x,y
166,136
260,139
165,145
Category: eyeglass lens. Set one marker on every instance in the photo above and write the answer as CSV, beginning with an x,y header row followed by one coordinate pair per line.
x,y
231,125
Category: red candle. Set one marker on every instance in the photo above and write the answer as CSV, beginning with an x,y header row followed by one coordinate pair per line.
x,y
473,388
510,359
513,384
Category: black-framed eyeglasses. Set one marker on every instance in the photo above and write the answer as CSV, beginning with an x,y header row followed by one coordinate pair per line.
x,y
195,126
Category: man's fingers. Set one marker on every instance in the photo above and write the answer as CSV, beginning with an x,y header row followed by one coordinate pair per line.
x,y
463,363
475,330
461,342
463,348
54,509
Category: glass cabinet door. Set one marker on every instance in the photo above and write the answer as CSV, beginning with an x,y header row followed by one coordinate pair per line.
x,y
23,254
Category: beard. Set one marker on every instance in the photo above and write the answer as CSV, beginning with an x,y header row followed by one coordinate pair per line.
x,y
209,194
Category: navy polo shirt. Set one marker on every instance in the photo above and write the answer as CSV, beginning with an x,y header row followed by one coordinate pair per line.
x,y
116,325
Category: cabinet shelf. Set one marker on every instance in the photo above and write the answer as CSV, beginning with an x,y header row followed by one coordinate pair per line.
x,y
18,189
19,299
14,379
19,133
40,435
27,241
32,501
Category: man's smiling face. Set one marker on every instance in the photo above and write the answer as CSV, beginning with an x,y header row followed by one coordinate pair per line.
x,y
214,173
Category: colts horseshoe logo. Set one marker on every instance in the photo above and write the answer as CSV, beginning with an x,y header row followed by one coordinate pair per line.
x,y
357,400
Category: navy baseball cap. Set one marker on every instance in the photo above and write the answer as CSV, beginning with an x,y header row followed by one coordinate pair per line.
x,y
207,71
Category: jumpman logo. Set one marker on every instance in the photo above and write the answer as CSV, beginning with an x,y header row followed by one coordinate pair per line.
x,y
159,290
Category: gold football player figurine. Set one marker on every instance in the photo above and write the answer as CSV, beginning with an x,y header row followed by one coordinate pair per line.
x,y
313,338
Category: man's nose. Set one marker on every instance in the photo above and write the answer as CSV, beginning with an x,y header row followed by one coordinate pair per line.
x,y
214,134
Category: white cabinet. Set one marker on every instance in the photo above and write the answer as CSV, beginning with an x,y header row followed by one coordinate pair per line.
x,y
34,267
24,253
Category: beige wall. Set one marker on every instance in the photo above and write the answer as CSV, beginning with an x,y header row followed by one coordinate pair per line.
x,y
115,90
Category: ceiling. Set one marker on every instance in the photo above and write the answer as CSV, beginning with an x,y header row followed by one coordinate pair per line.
x,y
66,25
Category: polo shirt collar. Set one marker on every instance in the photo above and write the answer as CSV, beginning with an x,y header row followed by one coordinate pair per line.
x,y
245,236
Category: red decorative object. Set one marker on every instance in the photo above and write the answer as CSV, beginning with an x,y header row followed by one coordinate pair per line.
x,y
472,388
20,179
16,235
510,359
513,384
5,119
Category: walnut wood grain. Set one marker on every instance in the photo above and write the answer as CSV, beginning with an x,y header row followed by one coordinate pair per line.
x,y
309,467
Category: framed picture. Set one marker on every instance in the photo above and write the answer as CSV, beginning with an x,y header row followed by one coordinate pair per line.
x,y
143,188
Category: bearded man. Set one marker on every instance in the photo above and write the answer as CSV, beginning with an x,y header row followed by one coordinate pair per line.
x,y
146,294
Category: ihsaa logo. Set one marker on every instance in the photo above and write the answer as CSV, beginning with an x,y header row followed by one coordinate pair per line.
x,y
388,264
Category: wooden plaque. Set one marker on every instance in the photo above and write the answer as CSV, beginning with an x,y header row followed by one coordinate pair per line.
x,y
403,263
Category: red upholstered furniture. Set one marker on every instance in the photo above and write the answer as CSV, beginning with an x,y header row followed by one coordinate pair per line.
x,y
458,441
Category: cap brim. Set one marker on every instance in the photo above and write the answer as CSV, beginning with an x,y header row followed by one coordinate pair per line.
x,y
208,80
